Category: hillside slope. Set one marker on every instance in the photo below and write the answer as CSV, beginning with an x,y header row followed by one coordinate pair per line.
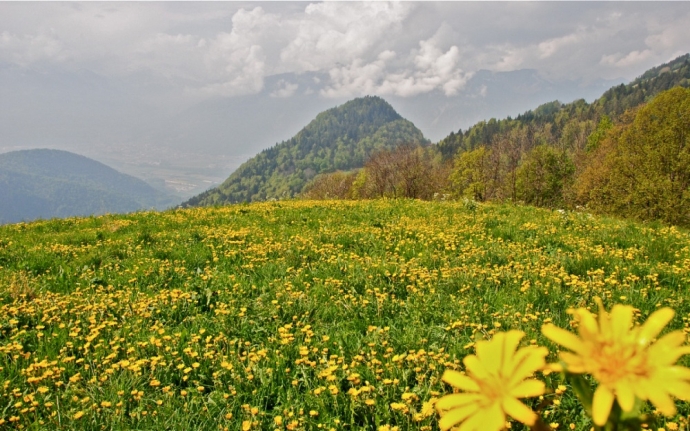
x,y
50,183
572,122
339,138
309,308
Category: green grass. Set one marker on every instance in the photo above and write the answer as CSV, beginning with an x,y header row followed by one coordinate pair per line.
x,y
287,308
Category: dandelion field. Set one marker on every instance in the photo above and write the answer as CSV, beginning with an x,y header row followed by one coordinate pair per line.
x,y
304,315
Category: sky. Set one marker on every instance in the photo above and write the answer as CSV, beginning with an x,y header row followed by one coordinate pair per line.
x,y
199,87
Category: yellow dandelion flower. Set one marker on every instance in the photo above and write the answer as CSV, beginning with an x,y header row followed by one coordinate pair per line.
x,y
624,360
496,377
78,415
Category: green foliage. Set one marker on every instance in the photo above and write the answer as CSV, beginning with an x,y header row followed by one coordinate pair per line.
x,y
471,176
543,176
342,138
599,134
646,168
567,121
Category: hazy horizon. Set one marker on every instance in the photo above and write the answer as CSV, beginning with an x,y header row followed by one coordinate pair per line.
x,y
180,93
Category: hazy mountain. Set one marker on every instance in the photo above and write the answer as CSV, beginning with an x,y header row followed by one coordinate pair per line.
x,y
339,138
136,126
52,183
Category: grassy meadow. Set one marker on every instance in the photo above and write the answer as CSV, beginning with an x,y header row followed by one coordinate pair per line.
x,y
303,315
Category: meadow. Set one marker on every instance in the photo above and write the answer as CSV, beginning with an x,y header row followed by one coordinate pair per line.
x,y
304,315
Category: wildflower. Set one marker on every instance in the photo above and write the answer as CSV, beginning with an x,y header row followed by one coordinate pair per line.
x,y
78,415
623,359
496,378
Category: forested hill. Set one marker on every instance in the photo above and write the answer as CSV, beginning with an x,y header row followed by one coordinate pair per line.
x,y
340,138
569,125
50,183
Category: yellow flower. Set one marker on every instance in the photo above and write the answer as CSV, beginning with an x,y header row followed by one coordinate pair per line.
x,y
623,359
496,377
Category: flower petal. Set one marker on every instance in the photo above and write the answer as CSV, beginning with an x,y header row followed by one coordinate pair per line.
x,y
654,325
525,362
621,321
560,336
528,388
519,411
601,405
661,400
625,393
453,401
456,416
489,419
679,389
588,325
460,381
475,367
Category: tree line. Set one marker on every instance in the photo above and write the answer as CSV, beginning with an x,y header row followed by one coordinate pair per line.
x,y
632,163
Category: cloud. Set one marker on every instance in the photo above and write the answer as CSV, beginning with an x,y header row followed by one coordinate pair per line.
x,y
430,69
332,32
285,89
620,60
404,49
29,49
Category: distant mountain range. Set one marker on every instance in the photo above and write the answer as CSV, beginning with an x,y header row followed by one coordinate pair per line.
x,y
340,138
51,183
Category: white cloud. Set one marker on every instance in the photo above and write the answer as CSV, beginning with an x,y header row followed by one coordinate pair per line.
x,y
285,89
552,46
429,69
620,60
329,33
29,49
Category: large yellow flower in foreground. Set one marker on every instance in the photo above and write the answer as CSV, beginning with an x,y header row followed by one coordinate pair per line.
x,y
494,381
623,359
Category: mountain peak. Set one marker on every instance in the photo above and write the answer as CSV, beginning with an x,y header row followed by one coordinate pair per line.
x,y
340,138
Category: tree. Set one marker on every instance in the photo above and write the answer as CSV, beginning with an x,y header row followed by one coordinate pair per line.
x,y
471,175
543,176
642,168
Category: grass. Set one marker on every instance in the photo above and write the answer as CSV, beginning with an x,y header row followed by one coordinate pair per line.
x,y
302,315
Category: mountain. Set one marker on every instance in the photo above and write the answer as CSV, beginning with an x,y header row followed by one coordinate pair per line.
x,y
51,183
340,138
569,122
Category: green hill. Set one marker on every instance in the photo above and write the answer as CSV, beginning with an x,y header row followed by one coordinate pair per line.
x,y
341,138
50,183
565,124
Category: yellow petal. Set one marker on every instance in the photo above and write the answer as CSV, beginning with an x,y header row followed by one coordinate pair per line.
x,y
625,393
561,336
511,340
490,353
475,367
453,401
679,389
489,419
654,325
525,362
519,411
621,321
460,381
588,325
667,349
456,416
601,405
574,363
528,388
661,400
